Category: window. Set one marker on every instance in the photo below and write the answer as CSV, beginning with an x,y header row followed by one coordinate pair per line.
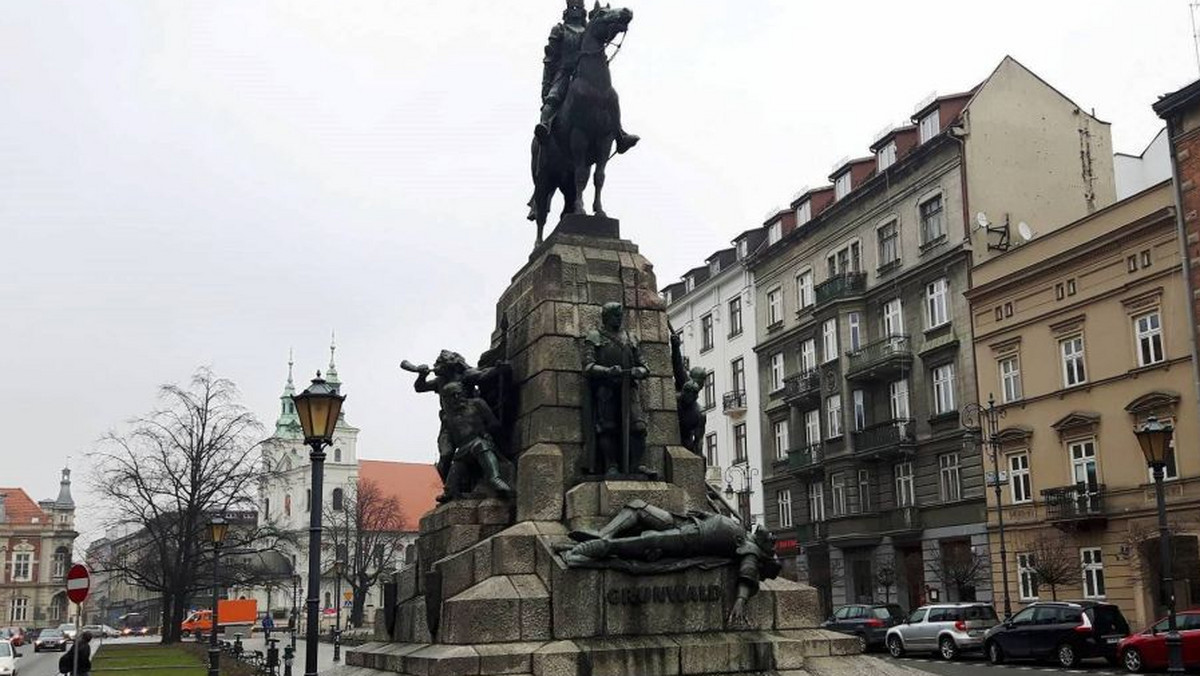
x,y
841,185
19,610
937,312
1146,258
854,319
710,391
898,394
893,318
885,157
710,449
1149,339
328,601
737,369
812,427
804,289
845,260
1026,563
889,243
55,611
775,232
1019,480
838,485
689,283
739,443
337,455
949,477
780,429
785,508
829,340
1083,465
933,228
816,501
1010,379
864,491
808,355
930,125
860,410
943,389
804,212
338,495
22,568
833,419
60,563
743,249
735,317
706,332
777,371
1093,572
307,502
1074,372
905,495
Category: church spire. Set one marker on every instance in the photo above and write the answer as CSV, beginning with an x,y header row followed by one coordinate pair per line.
x,y
288,424
331,374
65,500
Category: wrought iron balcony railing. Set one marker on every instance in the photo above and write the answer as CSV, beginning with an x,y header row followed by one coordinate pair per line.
x,y
803,385
881,358
805,456
884,436
734,402
813,531
844,285
901,519
1073,503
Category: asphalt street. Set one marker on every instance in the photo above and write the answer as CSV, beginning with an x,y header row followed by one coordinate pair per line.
x,y
976,665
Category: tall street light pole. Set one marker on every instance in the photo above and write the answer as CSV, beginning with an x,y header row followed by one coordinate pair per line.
x,y
1155,439
748,475
318,408
217,528
988,427
338,567
295,623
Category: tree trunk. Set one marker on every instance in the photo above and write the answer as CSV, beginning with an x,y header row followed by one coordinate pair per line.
x,y
1054,591
356,607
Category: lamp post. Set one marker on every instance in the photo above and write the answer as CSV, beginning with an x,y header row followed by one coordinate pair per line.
x,y
295,623
217,527
1155,439
990,417
318,408
747,474
339,567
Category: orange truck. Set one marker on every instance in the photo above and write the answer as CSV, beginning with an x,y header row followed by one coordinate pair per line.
x,y
229,612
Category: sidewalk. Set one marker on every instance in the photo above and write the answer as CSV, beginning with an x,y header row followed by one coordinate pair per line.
x,y
324,651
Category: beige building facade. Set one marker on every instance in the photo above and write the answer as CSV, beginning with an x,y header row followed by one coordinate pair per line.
x,y
36,543
1081,334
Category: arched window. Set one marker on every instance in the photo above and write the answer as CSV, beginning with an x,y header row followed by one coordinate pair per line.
x,y
287,505
337,455
328,604
61,556
340,553
337,499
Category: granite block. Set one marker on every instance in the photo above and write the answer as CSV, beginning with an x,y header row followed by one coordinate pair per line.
x,y
557,658
539,484
489,612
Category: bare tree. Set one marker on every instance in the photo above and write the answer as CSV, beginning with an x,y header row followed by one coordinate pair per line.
x,y
885,576
166,476
961,568
366,531
1053,560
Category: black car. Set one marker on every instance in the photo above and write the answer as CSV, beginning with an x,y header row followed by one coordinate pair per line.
x,y
50,639
1064,631
868,621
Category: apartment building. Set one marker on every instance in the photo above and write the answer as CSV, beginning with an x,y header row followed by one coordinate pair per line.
x,y
36,542
1081,334
864,334
711,310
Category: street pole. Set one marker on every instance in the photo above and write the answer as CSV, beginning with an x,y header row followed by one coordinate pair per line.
x,y
994,446
337,622
295,623
1174,642
317,456
214,653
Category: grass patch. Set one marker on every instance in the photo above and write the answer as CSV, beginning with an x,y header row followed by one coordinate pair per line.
x,y
148,660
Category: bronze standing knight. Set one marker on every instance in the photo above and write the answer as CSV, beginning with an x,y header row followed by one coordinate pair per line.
x,y
688,385
612,366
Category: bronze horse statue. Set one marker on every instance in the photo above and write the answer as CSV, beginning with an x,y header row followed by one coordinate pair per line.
x,y
584,130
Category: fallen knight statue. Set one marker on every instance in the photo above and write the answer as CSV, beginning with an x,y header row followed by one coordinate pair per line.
x,y
644,539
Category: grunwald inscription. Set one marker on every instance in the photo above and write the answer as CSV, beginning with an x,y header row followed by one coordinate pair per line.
x,y
667,593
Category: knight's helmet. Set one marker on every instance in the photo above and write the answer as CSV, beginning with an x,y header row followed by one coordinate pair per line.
x,y
574,5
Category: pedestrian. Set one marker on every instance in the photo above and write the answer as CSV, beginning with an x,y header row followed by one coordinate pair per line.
x,y
267,624
67,662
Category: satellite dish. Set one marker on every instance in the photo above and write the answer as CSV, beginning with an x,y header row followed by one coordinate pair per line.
x,y
1024,231
982,219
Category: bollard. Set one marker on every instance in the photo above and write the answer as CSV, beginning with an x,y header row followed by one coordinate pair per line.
x,y
237,645
272,656
289,654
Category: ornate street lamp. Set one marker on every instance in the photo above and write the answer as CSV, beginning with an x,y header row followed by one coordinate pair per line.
x,y
976,417
339,567
217,528
746,476
295,621
1155,439
318,408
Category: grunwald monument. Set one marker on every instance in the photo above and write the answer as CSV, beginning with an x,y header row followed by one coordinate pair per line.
x,y
576,535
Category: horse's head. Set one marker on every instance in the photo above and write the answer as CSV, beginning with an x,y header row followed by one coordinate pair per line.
x,y
604,23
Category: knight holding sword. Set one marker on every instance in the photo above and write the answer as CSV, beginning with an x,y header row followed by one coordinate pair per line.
x,y
613,367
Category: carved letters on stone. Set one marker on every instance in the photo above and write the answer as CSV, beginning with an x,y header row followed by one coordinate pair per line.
x,y
665,593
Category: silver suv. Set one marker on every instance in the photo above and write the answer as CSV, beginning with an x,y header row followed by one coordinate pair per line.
x,y
944,628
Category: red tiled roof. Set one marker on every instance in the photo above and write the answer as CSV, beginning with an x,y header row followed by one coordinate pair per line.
x,y
414,485
18,508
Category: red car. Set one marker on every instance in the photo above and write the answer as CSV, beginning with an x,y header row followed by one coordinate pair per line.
x,y
14,634
1147,651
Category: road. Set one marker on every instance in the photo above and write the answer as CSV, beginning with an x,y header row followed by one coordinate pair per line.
x,y
975,665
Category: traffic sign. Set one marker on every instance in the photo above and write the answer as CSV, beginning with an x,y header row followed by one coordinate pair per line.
x,y
347,595
79,582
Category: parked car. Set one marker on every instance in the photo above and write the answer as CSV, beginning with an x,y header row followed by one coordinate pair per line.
x,y
1065,631
1147,650
50,639
868,622
14,635
8,658
109,632
948,629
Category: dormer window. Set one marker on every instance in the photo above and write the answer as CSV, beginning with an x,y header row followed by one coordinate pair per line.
x,y
804,212
742,249
667,296
775,232
886,156
841,186
689,283
714,266
930,126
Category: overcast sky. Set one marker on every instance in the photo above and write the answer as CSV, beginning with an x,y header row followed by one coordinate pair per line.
x,y
212,183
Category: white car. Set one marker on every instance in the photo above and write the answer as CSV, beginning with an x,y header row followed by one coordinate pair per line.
x,y
8,659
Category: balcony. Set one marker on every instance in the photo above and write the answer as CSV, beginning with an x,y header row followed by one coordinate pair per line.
x,y
812,532
805,459
900,520
802,387
845,285
734,402
1077,505
893,436
854,530
884,359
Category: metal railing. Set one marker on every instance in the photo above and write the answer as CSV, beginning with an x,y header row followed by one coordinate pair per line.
x,y
896,347
901,519
841,286
805,456
813,531
884,435
1081,501
802,384
734,401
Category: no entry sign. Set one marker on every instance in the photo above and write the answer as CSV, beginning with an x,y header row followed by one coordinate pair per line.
x,y
79,582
